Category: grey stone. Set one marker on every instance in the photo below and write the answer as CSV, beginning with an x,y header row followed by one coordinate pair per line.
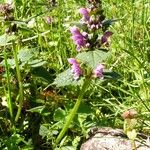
x,y
114,139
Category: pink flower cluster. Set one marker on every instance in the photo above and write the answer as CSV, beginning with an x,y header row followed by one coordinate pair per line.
x,y
83,40
91,22
76,70
80,39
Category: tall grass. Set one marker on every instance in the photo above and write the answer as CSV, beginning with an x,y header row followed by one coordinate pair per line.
x,y
131,44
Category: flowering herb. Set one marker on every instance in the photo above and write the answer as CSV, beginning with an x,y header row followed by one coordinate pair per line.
x,y
88,38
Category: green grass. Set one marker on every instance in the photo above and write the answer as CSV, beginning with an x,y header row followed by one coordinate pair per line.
x,y
42,54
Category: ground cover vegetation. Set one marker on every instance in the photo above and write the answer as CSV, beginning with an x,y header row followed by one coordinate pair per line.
x,y
69,66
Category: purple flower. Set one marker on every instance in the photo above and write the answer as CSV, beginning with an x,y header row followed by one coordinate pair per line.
x,y
93,26
85,13
105,37
85,34
74,30
98,71
78,38
48,20
77,72
72,61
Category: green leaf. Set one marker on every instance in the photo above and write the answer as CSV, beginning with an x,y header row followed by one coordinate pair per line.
x,y
38,109
42,73
2,93
26,54
13,141
37,63
11,63
41,110
4,39
53,43
59,114
109,22
85,109
111,74
93,58
132,134
43,131
66,78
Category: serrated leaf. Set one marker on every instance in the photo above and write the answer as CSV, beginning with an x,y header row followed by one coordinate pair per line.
x,y
93,58
11,63
43,131
26,54
4,39
66,78
59,114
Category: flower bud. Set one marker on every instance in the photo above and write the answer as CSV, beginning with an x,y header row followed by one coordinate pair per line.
x,y
129,114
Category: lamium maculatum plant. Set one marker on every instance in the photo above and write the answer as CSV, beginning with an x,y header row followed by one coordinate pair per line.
x,y
92,41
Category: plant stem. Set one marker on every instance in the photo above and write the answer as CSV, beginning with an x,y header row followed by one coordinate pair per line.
x,y
21,94
133,145
9,101
73,112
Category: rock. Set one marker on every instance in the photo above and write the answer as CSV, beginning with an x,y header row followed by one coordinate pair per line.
x,y
114,139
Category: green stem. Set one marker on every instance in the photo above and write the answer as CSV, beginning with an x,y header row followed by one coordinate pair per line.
x,y
73,112
21,94
133,22
9,101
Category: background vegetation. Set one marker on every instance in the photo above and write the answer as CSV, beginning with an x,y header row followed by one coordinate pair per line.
x,y
35,44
